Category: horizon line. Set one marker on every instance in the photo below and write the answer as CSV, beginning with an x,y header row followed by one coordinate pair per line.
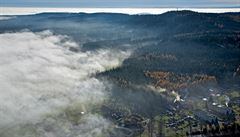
x,y
130,11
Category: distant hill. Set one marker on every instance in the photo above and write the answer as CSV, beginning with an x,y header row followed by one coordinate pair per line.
x,y
180,42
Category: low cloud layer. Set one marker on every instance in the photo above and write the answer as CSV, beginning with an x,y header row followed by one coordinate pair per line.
x,y
6,17
40,76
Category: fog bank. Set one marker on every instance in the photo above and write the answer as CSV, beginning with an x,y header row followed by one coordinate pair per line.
x,y
40,76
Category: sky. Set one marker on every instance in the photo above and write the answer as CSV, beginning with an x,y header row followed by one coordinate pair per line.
x,y
119,3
